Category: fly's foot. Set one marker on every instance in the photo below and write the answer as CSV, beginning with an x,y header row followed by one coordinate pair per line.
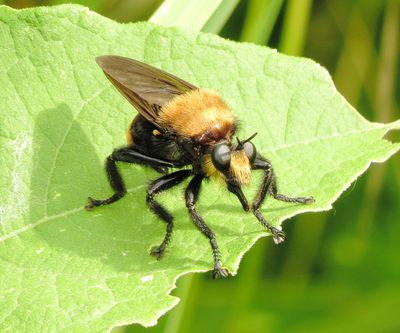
x,y
92,203
157,252
309,200
278,235
219,271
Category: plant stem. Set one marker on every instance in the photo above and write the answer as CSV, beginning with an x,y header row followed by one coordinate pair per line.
x,y
260,20
295,26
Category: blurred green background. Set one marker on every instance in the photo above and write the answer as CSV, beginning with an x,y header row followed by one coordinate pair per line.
x,y
338,271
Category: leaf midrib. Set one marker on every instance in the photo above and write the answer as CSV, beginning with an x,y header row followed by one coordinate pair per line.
x,y
285,146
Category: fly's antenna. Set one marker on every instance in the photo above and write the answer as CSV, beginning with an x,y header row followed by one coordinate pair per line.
x,y
250,138
241,143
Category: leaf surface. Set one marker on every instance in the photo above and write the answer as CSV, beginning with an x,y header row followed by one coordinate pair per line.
x,y
68,270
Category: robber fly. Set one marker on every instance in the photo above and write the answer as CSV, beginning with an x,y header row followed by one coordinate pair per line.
x,y
180,125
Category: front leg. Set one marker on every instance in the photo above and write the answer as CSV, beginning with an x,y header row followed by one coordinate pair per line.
x,y
236,190
191,195
268,186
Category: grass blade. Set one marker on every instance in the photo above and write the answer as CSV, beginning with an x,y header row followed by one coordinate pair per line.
x,y
220,16
189,14
295,26
260,20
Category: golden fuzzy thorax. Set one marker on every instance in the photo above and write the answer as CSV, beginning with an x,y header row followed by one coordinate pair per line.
x,y
240,168
196,112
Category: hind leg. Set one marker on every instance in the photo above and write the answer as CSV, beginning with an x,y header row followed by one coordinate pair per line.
x,y
128,155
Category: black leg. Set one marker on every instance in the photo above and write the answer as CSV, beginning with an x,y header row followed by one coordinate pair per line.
x,y
191,195
236,189
128,155
268,186
157,186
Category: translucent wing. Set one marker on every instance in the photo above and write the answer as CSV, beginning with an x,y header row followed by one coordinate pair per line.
x,y
147,88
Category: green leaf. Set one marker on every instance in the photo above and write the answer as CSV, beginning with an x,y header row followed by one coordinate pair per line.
x,y
67,270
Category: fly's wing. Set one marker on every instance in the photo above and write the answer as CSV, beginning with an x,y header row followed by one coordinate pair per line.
x,y
147,88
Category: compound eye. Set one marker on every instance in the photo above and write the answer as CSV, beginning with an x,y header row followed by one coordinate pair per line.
x,y
250,151
221,157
